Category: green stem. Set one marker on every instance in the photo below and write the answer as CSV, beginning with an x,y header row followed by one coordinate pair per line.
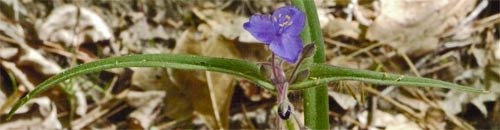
x,y
315,99
290,125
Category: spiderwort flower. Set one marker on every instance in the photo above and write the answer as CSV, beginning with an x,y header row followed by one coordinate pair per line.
x,y
281,31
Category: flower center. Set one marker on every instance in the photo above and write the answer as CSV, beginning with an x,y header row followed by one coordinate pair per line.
x,y
283,22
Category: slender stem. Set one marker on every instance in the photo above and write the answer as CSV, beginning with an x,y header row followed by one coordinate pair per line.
x,y
275,74
315,99
292,76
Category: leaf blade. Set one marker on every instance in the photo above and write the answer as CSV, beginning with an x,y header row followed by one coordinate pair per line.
x,y
236,67
321,74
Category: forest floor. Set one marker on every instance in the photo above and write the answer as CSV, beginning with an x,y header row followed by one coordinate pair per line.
x,y
455,41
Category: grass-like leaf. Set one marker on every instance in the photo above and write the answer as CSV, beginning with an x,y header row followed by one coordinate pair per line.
x,y
321,74
236,67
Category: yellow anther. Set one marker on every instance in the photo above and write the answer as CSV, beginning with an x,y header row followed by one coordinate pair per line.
x,y
287,21
287,17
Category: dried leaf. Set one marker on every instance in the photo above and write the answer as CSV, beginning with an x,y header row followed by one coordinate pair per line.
x,y
71,25
345,101
28,55
414,26
42,64
226,24
8,52
146,103
341,27
389,121
209,92
47,118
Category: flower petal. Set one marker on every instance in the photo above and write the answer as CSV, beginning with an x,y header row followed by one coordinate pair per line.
x,y
296,18
261,27
287,48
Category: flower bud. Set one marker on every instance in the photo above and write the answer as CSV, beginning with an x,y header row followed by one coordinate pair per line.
x,y
308,50
284,110
266,70
301,76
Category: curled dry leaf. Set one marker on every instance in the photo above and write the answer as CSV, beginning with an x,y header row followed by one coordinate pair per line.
x,y
146,103
8,52
142,31
45,119
70,25
33,58
228,25
345,101
414,26
27,55
389,121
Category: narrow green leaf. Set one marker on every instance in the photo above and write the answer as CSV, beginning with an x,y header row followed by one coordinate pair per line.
x,y
321,74
236,67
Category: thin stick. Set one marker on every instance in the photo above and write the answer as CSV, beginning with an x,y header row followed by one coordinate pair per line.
x,y
214,101
364,50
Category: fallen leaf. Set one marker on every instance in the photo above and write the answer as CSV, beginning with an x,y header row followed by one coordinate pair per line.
x,y
45,119
71,25
8,52
146,103
389,121
27,55
228,25
341,27
414,26
209,92
345,101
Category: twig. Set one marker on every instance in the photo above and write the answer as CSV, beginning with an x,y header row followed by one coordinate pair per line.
x,y
99,111
434,69
49,47
468,19
414,69
473,15
245,117
347,119
331,41
169,125
213,99
409,63
394,102
364,50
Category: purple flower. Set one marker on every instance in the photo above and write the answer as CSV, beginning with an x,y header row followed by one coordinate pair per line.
x,y
281,31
